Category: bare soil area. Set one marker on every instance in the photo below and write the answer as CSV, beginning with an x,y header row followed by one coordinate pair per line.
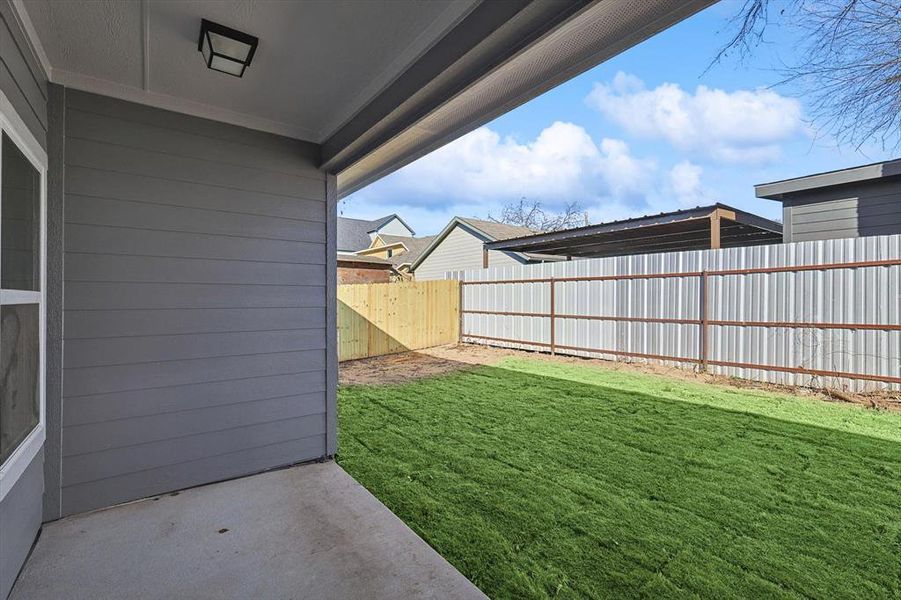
x,y
407,366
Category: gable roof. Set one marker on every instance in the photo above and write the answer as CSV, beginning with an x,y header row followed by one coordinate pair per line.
x,y
415,247
497,231
379,223
489,231
396,239
359,258
353,234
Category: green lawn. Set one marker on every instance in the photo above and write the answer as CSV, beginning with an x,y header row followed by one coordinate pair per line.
x,y
539,479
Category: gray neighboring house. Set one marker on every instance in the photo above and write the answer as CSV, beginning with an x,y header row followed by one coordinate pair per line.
x,y
855,202
461,245
169,250
358,234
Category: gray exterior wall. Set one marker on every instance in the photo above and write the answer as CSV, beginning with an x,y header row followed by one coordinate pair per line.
x,y
24,84
20,520
461,249
846,211
21,77
195,302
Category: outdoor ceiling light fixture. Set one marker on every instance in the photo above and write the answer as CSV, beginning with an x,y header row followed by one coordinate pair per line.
x,y
226,49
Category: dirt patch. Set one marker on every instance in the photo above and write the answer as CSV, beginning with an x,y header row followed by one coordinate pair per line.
x,y
398,368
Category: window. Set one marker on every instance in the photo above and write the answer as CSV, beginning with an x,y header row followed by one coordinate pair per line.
x,y
23,167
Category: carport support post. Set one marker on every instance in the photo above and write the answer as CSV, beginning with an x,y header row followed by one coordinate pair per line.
x,y
484,257
715,230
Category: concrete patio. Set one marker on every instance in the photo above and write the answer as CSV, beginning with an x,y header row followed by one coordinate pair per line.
x,y
309,531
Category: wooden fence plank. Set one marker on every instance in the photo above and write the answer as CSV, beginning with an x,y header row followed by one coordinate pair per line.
x,y
386,318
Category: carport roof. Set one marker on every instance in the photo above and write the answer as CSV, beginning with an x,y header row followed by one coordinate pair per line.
x,y
688,229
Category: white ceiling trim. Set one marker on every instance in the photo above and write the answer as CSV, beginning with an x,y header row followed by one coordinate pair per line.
x,y
105,87
427,38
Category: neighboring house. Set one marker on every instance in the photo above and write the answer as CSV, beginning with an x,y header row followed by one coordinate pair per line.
x,y
364,269
704,227
847,203
461,245
401,251
358,234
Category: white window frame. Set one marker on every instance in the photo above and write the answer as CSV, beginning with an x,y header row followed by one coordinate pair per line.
x,y
14,127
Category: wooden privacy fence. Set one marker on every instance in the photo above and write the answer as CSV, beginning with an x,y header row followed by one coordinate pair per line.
x,y
823,322
385,318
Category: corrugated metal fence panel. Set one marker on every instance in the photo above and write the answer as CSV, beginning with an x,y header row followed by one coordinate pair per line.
x,y
868,295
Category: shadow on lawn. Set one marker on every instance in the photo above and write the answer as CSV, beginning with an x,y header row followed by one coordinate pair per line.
x,y
535,486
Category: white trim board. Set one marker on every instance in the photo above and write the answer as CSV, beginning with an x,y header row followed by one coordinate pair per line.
x,y
14,466
31,35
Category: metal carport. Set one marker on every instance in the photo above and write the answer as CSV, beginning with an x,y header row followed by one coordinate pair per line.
x,y
701,228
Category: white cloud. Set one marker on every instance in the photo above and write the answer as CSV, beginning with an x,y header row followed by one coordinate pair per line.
x,y
685,183
480,172
744,126
562,163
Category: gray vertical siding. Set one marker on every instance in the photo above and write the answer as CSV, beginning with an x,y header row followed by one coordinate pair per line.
x,y
24,84
54,299
847,211
195,302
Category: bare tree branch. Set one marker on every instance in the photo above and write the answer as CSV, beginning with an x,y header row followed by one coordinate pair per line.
x,y
530,214
848,65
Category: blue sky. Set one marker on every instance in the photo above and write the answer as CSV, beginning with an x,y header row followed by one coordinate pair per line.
x,y
647,131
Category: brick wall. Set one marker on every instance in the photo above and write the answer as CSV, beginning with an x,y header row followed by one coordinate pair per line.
x,y
363,275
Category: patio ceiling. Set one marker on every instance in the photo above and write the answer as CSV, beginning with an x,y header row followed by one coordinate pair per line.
x,y
376,83
317,64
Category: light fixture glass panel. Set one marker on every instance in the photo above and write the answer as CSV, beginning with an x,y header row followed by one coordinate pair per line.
x,y
20,188
206,50
227,66
19,368
229,47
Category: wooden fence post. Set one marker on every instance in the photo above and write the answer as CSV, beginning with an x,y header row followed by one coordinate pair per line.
x,y
460,311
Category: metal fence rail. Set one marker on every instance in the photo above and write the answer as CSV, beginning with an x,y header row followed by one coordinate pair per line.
x,y
703,315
